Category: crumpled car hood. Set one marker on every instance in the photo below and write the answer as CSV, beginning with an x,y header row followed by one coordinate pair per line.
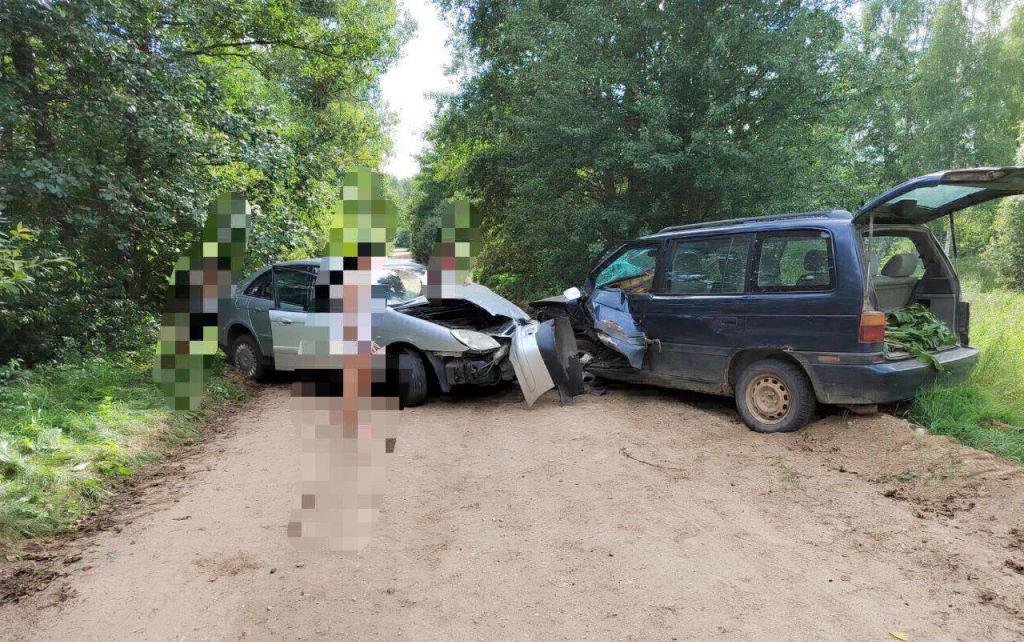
x,y
480,296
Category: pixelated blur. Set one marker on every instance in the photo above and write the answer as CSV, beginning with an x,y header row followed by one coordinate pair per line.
x,y
346,387
188,329
454,248
345,392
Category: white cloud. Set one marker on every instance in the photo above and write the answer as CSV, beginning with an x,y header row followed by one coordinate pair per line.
x,y
405,87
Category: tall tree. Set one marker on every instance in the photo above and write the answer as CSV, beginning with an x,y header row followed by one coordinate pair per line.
x,y
585,122
121,119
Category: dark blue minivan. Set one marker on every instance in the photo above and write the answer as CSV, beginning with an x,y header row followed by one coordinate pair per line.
x,y
784,311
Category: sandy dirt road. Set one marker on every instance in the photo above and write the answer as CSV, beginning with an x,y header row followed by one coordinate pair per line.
x,y
642,514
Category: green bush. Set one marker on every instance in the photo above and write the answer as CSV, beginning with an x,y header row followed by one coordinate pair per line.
x,y
1005,256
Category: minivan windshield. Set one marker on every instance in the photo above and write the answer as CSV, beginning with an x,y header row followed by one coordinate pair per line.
x,y
633,270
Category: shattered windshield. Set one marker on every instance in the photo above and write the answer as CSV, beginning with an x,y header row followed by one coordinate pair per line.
x,y
633,270
400,284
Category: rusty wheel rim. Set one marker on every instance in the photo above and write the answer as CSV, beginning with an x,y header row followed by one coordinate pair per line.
x,y
768,399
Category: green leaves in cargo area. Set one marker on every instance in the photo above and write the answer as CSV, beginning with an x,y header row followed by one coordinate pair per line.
x,y
915,330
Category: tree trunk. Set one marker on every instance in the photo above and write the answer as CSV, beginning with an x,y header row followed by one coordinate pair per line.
x,y
25,68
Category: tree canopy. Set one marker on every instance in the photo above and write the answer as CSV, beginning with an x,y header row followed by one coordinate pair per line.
x,y
582,123
121,119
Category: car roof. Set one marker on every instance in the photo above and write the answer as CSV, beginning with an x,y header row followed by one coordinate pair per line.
x,y
825,218
316,263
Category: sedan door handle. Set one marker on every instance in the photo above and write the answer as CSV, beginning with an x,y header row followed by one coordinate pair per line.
x,y
286,321
729,321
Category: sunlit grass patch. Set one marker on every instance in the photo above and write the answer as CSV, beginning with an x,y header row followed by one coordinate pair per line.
x,y
987,410
68,432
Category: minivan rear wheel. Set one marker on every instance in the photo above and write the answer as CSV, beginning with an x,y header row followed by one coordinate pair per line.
x,y
774,396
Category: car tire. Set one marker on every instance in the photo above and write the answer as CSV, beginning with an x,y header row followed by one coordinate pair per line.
x,y
775,396
247,357
412,378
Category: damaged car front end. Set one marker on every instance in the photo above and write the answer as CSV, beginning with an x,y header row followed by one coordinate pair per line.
x,y
470,336
499,342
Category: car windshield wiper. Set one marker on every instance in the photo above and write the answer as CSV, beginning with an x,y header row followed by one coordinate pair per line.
x,y
402,304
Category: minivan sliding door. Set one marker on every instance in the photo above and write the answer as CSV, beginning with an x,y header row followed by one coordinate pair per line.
x,y
696,314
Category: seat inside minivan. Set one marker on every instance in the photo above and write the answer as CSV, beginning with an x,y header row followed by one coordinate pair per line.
x,y
907,266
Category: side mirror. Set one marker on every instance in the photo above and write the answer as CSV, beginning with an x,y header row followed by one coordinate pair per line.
x,y
572,293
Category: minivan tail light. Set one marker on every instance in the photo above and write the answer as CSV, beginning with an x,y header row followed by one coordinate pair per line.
x,y
872,327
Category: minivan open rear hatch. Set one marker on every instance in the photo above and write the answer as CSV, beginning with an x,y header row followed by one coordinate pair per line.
x,y
929,197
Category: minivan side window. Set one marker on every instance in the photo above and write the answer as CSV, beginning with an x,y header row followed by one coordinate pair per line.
x,y
895,255
794,261
716,265
631,271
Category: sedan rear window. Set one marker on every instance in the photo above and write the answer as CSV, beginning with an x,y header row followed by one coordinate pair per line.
x,y
260,287
294,289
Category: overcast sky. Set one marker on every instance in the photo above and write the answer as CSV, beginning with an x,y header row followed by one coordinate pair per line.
x,y
407,84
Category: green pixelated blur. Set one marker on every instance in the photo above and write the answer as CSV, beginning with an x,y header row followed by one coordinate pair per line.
x,y
455,247
364,216
188,329
459,234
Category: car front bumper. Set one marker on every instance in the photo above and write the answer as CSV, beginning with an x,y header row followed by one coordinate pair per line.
x,y
544,356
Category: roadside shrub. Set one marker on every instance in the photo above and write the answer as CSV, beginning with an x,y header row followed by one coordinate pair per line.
x,y
68,431
1006,254
423,227
402,238
987,410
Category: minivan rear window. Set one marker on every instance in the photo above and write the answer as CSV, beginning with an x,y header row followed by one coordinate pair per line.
x,y
794,261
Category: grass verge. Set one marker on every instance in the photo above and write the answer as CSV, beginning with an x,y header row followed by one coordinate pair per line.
x,y
987,410
69,433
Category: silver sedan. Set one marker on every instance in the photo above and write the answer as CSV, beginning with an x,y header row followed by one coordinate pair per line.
x,y
471,336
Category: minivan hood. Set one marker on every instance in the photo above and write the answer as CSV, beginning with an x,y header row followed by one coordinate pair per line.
x,y
929,197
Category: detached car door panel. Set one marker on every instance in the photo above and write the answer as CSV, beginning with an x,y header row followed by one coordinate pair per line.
x,y
621,288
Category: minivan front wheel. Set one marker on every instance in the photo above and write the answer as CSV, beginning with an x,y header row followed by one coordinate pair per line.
x,y
774,396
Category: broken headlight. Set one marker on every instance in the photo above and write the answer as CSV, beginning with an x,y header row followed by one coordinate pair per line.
x,y
475,340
